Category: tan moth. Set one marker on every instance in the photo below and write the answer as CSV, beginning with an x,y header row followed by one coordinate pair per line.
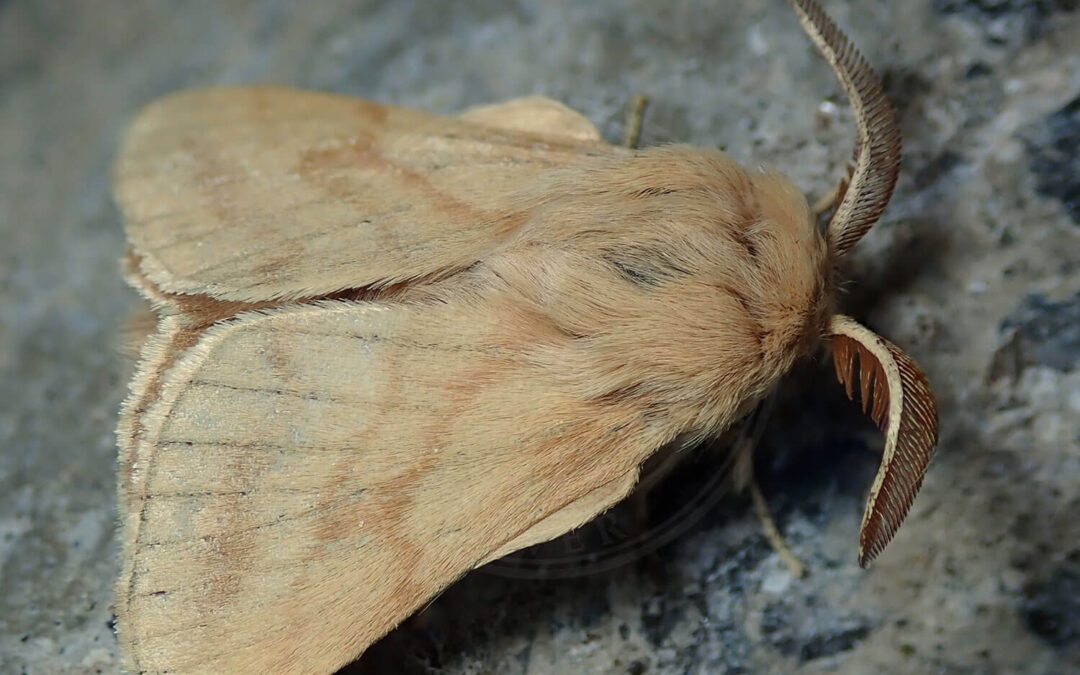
x,y
393,346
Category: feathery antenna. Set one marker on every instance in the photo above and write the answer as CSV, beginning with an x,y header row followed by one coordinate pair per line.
x,y
876,162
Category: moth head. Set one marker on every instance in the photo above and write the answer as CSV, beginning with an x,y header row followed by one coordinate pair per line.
x,y
893,391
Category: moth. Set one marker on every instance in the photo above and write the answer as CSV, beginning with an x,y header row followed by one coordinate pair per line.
x,y
392,346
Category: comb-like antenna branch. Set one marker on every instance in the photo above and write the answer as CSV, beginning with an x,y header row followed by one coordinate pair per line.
x,y
876,160
897,396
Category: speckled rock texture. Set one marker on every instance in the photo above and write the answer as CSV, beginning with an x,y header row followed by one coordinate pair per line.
x,y
974,269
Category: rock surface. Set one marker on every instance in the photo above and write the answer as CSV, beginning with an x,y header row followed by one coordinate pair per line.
x,y
973,269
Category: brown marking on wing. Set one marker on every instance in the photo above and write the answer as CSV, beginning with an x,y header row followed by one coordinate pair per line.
x,y
317,166
229,554
239,194
157,359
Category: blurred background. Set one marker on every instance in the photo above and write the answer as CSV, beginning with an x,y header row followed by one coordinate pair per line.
x,y
973,270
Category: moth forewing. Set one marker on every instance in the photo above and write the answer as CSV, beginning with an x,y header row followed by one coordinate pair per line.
x,y
281,493
256,194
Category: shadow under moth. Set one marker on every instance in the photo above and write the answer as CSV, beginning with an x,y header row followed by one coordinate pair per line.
x,y
393,346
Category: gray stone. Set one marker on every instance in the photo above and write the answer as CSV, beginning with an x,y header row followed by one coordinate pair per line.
x,y
1054,147
1045,333
1052,607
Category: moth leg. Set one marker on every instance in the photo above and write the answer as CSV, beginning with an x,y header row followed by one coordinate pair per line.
x,y
634,119
745,478
535,114
772,532
653,472
827,201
